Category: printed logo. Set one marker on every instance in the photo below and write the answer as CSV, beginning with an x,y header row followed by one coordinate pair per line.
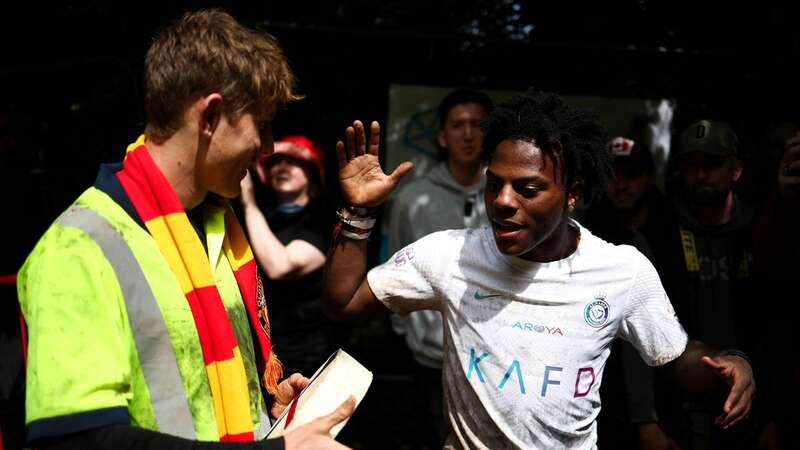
x,y
700,133
403,256
481,296
538,328
596,312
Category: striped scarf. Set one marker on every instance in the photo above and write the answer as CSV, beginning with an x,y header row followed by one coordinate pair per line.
x,y
164,217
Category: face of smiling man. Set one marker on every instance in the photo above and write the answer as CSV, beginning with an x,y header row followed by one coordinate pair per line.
x,y
527,203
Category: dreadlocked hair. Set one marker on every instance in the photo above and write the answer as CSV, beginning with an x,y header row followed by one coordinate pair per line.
x,y
571,137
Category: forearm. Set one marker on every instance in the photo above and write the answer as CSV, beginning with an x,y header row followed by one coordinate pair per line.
x,y
126,437
345,271
689,372
638,378
273,257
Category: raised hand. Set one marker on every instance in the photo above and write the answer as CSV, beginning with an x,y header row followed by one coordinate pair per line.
x,y
738,374
248,195
361,178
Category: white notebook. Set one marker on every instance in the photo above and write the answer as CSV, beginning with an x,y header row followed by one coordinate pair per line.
x,y
337,379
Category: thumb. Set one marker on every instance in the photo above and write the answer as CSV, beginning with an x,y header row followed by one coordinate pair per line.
x,y
711,363
401,171
344,411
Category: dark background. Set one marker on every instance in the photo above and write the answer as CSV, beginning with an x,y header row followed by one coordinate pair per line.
x,y
70,73
70,92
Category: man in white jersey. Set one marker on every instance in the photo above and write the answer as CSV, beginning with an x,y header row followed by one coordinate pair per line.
x,y
532,304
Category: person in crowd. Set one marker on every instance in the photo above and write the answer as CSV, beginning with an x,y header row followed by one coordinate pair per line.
x,y
775,246
289,231
531,304
632,211
147,321
449,196
707,266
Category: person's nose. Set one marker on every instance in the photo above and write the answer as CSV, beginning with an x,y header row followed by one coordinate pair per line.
x,y
279,165
469,132
700,173
506,201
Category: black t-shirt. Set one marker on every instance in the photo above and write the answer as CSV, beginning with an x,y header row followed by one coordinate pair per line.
x,y
302,335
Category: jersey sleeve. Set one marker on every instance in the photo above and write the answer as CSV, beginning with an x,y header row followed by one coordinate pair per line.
x,y
410,280
79,370
650,323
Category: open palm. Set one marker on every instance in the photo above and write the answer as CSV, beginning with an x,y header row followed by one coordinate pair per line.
x,y
361,178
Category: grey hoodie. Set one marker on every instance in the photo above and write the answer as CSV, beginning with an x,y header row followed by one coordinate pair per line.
x,y
432,203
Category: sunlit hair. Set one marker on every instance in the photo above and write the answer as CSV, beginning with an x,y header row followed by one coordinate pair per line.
x,y
573,138
209,51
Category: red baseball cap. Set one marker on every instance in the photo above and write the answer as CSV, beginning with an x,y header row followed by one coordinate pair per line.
x,y
300,148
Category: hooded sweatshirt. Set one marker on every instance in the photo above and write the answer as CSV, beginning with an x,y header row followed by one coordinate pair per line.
x,y
432,203
712,300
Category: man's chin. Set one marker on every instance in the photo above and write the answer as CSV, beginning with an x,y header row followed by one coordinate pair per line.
x,y
509,249
228,193
706,198
628,205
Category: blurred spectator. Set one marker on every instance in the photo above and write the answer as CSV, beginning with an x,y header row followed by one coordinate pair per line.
x,y
633,209
633,212
450,196
708,274
776,246
289,230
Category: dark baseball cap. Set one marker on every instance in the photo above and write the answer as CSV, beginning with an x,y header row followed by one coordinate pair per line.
x,y
708,136
630,153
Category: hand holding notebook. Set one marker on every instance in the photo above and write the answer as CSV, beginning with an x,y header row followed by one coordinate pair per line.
x,y
338,379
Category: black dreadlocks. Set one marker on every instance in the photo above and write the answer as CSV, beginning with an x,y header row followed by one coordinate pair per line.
x,y
570,136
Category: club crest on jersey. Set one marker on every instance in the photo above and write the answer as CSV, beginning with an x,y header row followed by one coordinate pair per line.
x,y
595,313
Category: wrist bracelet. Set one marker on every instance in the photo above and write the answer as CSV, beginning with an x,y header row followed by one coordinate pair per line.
x,y
361,212
356,217
355,236
351,232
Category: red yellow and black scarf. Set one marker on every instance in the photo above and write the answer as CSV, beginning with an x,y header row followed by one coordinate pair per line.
x,y
164,217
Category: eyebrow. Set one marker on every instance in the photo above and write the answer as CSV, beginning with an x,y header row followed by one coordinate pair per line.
x,y
536,178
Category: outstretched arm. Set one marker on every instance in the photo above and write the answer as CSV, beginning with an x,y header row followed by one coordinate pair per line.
x,y
702,369
279,262
346,292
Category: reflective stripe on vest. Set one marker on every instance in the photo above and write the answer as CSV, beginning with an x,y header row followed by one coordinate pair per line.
x,y
159,365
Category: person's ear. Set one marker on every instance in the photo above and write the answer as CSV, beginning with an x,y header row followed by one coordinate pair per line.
x,y
574,195
440,138
210,113
738,168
